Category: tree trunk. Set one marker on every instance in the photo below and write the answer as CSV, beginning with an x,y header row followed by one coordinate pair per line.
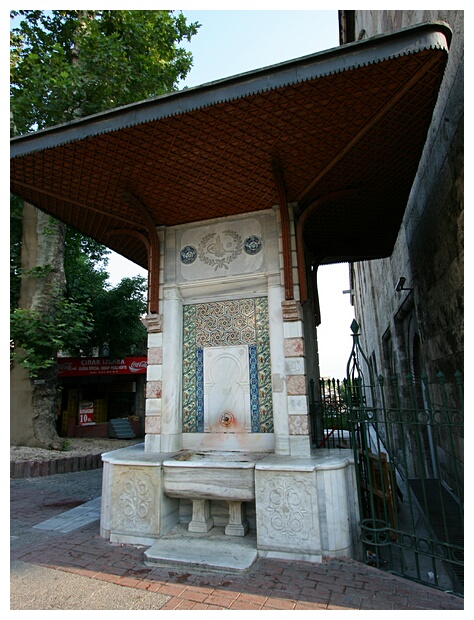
x,y
45,402
43,247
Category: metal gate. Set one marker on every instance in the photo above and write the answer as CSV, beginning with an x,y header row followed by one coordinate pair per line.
x,y
407,438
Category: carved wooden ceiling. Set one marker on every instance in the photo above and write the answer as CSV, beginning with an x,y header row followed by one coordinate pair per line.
x,y
353,118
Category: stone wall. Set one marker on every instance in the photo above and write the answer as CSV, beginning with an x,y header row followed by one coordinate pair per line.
x,y
423,328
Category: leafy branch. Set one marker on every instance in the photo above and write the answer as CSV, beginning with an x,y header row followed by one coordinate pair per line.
x,y
36,337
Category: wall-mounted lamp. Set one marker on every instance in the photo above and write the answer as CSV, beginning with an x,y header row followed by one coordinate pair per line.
x,y
400,285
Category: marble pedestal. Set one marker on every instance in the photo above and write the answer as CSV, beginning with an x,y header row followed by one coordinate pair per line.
x,y
238,524
202,521
307,506
135,509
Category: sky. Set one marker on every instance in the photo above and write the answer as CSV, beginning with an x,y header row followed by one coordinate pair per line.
x,y
230,42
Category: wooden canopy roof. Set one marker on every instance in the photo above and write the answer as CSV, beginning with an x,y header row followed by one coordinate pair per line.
x,y
352,118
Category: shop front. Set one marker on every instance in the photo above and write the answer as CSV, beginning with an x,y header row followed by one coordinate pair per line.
x,y
96,390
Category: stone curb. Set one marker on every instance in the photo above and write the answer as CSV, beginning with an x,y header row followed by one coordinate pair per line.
x,y
66,465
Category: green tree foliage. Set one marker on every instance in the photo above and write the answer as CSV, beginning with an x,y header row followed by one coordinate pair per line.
x,y
91,314
70,64
38,336
85,265
67,64
113,310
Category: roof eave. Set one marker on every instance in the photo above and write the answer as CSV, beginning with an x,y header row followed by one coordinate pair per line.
x,y
409,40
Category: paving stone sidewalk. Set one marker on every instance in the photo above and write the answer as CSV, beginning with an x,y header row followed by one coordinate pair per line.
x,y
77,569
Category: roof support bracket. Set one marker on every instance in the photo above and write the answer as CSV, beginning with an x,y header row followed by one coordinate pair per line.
x,y
131,233
426,67
153,252
300,231
285,229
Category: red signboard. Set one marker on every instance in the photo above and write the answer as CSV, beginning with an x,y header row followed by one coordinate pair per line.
x,y
92,366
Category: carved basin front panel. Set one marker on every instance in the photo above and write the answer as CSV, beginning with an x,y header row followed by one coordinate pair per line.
x,y
212,475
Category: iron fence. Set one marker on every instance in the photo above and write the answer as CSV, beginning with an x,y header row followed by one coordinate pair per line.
x,y
329,414
408,438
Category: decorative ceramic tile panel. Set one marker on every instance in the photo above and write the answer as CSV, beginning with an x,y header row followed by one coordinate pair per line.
x,y
254,396
226,324
264,365
189,370
199,390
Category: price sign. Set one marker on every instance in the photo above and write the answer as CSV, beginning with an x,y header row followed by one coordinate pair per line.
x,y
86,413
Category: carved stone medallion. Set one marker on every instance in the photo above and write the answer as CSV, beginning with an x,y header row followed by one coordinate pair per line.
x,y
220,249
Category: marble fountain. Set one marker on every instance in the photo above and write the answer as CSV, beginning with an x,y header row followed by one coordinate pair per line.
x,y
227,455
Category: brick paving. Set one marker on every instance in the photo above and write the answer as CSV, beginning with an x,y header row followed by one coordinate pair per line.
x,y
336,584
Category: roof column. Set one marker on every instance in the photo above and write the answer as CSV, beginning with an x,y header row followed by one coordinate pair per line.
x,y
285,229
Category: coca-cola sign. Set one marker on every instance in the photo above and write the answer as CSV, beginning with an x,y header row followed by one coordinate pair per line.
x,y
91,366
138,365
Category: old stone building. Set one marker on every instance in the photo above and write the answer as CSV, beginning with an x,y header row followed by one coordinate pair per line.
x,y
409,306
418,327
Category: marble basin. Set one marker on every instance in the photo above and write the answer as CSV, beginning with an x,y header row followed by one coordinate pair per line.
x,y
211,475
